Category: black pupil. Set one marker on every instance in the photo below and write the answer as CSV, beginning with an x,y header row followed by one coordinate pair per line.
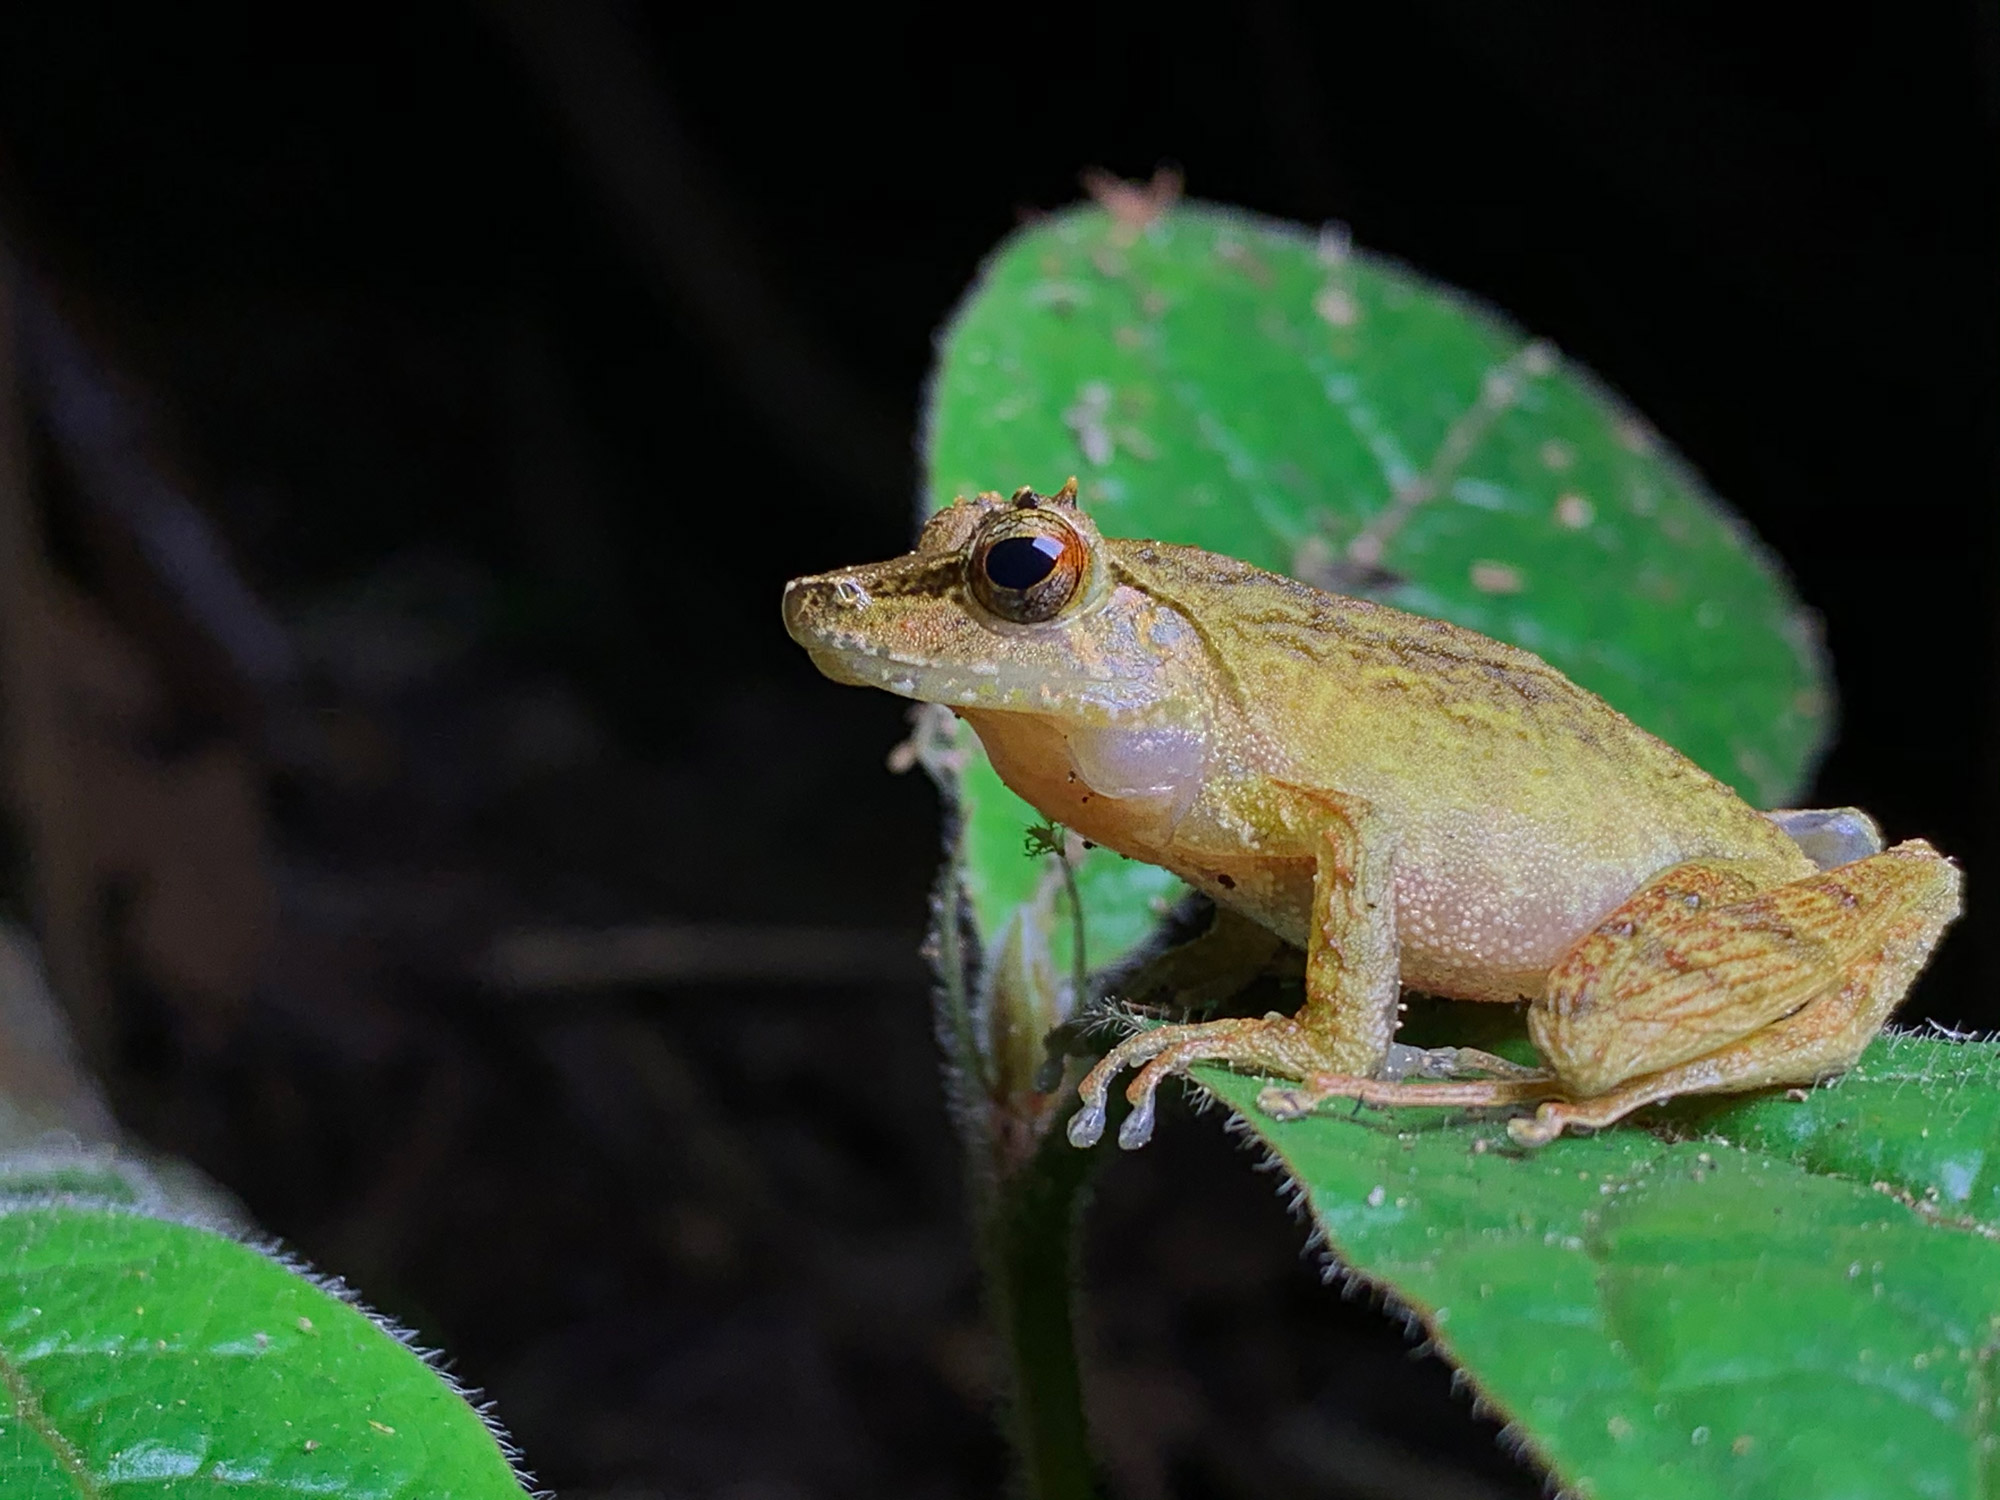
x,y
1021,562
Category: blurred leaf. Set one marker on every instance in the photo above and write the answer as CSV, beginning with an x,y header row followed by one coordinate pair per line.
x,y
149,1357
1790,1299
1250,387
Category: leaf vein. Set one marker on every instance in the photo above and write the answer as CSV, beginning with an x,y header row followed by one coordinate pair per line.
x,y
28,1408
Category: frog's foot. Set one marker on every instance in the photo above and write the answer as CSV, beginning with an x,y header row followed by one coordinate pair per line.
x,y
1276,1044
1280,1045
1555,1116
1827,1036
1522,1086
1404,1063
1554,1113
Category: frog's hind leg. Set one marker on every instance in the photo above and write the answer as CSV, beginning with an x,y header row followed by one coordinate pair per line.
x,y
1426,1063
1441,1077
1698,986
1515,1087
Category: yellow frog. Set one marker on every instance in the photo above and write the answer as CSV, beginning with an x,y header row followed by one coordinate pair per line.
x,y
1412,804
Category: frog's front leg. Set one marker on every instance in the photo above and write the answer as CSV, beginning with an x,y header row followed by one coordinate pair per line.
x,y
1352,986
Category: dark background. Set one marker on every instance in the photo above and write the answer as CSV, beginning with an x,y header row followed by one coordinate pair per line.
x,y
519,353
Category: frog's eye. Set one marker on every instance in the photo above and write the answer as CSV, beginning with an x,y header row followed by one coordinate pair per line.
x,y
1027,567
1017,563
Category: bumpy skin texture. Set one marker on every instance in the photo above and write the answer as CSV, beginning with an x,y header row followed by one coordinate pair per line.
x,y
1411,803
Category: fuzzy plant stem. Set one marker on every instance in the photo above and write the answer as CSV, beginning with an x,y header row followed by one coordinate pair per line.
x,y
1026,1218
1029,1239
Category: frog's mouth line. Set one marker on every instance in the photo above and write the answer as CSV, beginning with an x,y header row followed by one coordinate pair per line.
x,y
817,612
826,615
995,688
929,682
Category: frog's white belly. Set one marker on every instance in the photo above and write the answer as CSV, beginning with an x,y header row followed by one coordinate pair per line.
x,y
1487,898
1486,903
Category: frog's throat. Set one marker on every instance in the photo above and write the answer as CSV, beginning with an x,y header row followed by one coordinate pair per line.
x,y
1124,787
1140,762
995,687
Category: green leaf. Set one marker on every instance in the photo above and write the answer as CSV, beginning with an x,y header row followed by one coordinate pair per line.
x,y
1254,388
1781,1299
148,1357
1773,1298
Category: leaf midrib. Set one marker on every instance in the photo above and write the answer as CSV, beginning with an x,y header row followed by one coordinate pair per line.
x,y
28,1408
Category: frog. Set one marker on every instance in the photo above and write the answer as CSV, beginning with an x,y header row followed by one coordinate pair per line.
x,y
1411,805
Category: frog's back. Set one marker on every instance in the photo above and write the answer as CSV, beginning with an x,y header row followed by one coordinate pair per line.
x,y
1431,721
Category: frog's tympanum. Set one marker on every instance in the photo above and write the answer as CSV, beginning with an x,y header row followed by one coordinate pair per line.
x,y
1410,803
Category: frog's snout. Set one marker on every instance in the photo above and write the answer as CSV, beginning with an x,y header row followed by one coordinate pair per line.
x,y
830,611
808,601
904,627
833,616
